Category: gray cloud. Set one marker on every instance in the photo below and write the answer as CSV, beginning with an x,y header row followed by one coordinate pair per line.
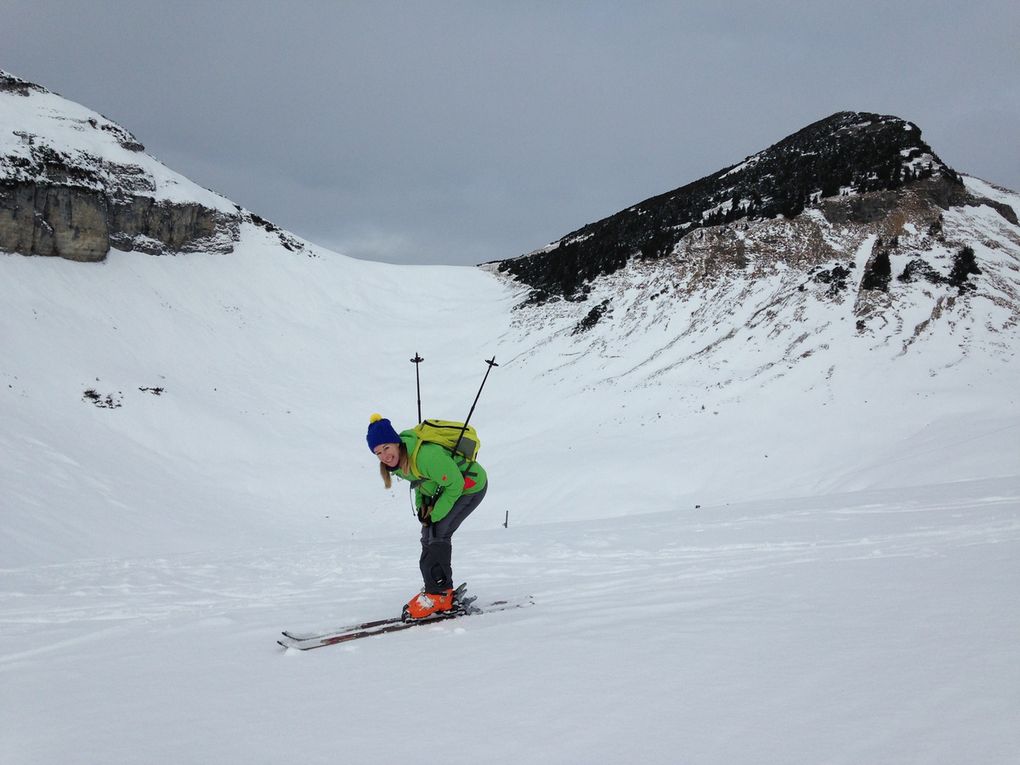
x,y
459,132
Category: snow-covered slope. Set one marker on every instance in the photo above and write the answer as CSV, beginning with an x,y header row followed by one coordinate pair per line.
x,y
755,528
162,404
201,400
876,627
242,385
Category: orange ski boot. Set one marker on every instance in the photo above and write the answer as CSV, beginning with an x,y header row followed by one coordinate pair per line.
x,y
428,603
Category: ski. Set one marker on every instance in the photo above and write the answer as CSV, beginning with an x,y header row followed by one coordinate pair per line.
x,y
458,598
358,632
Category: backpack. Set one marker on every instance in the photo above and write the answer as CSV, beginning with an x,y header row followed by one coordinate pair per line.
x,y
446,433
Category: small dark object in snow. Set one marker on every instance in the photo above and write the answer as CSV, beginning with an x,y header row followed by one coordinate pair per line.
x,y
592,318
918,269
836,277
107,402
964,264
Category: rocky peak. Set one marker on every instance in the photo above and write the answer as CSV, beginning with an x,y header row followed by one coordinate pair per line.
x,y
849,237
842,165
74,184
11,84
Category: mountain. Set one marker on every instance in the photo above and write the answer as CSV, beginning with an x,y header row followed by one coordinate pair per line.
x,y
849,237
75,184
876,306
856,169
764,499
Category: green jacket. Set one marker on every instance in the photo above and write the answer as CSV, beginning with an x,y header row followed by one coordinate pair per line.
x,y
437,473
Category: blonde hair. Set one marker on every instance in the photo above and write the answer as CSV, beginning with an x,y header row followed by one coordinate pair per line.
x,y
404,466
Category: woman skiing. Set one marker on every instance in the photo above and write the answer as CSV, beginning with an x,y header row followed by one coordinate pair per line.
x,y
447,489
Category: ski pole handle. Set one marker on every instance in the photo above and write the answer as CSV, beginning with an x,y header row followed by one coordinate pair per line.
x,y
417,381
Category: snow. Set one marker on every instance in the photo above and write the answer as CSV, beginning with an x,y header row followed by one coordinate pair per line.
x,y
749,162
866,627
995,193
723,208
842,594
740,551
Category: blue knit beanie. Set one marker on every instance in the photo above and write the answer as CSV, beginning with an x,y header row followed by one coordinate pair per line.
x,y
380,431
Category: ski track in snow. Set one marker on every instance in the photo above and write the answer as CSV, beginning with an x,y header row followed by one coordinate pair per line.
x,y
675,549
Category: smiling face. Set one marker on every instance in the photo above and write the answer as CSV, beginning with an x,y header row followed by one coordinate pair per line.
x,y
388,454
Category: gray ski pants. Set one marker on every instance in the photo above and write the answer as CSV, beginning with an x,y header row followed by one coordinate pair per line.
x,y
437,545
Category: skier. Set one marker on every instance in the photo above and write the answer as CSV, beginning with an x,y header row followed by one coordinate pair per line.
x,y
447,490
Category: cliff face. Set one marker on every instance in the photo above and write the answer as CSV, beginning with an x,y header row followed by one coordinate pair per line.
x,y
73,185
83,224
859,171
54,220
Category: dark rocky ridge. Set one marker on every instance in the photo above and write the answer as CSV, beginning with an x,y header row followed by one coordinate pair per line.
x,y
11,84
846,165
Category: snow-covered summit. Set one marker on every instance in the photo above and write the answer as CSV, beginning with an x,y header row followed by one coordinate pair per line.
x,y
45,138
74,184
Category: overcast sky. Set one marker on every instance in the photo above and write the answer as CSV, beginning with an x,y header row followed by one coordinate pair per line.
x,y
461,132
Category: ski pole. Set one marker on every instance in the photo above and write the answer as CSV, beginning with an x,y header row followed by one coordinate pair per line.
x,y
417,382
492,363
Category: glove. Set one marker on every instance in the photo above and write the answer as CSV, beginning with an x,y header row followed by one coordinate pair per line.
x,y
425,510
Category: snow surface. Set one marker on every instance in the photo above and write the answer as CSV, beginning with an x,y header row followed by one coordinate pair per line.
x,y
995,193
747,541
845,593
874,627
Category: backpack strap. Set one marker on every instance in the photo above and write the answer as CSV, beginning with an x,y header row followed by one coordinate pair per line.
x,y
462,463
412,463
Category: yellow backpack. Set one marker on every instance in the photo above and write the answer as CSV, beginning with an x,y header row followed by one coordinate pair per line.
x,y
449,434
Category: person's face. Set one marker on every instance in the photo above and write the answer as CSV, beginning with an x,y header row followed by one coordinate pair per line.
x,y
388,454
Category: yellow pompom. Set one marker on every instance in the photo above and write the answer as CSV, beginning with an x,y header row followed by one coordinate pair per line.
x,y
374,418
